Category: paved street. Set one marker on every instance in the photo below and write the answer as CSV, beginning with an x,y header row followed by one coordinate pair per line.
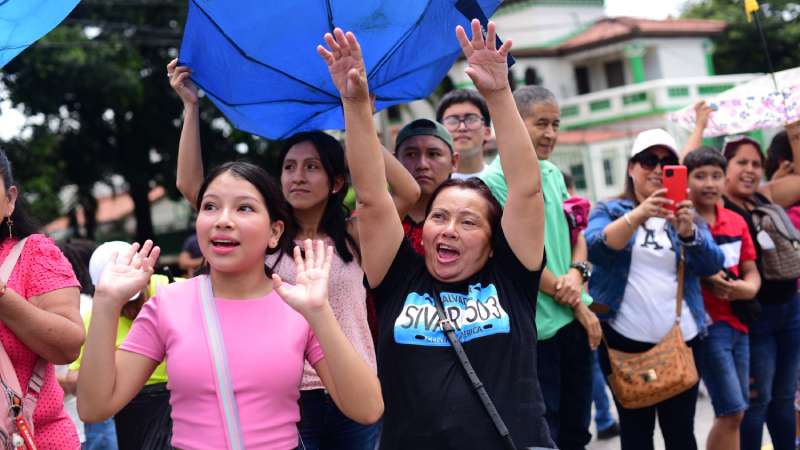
x,y
703,420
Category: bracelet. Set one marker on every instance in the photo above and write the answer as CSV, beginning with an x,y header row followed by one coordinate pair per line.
x,y
627,218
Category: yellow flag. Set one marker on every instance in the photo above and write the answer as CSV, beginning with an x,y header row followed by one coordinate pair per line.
x,y
750,6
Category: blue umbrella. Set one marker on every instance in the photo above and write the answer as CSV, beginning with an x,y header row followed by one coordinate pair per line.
x,y
257,60
22,22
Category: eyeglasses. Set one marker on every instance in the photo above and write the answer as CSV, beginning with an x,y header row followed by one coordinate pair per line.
x,y
470,121
649,161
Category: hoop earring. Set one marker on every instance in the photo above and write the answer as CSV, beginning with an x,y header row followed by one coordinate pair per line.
x,y
9,222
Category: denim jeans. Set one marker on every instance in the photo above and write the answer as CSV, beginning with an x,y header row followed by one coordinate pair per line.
x,y
324,427
564,365
100,436
602,407
723,359
675,415
774,361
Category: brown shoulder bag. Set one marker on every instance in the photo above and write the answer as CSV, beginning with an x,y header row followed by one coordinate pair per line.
x,y
639,380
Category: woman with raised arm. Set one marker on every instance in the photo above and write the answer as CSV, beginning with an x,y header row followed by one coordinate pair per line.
x,y
482,265
268,329
314,182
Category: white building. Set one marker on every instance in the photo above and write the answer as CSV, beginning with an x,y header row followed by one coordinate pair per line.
x,y
613,77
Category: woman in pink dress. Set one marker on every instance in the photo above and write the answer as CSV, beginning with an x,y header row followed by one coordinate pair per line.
x,y
39,315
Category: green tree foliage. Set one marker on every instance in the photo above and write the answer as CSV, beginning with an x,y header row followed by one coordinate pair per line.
x,y
99,81
739,49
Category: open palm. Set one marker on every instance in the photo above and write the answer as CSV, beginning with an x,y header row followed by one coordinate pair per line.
x,y
345,64
181,83
310,291
487,65
129,273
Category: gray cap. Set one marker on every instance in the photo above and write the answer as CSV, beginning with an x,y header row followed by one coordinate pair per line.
x,y
424,127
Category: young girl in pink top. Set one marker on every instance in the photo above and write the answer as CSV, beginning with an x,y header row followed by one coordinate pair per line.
x,y
314,182
269,328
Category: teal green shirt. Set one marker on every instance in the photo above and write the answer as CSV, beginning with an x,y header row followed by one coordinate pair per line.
x,y
551,316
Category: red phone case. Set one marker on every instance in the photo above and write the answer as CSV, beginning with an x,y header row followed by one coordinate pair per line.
x,y
674,178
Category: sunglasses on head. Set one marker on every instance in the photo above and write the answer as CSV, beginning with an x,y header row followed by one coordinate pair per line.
x,y
649,160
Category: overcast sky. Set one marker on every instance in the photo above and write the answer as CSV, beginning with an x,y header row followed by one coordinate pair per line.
x,y
654,9
11,120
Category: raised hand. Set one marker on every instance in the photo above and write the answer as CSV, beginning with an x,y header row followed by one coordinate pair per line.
x,y
128,273
488,66
310,291
181,83
702,114
652,206
684,219
784,169
345,64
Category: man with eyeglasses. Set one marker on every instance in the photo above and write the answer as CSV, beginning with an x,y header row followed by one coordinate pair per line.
x,y
567,330
465,115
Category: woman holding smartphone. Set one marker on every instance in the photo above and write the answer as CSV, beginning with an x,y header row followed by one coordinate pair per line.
x,y
635,243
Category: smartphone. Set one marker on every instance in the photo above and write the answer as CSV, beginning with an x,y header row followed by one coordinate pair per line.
x,y
674,178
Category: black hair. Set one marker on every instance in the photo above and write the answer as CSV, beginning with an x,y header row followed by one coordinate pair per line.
x,y
779,150
493,207
464,96
628,192
270,190
334,218
22,224
731,149
704,156
78,252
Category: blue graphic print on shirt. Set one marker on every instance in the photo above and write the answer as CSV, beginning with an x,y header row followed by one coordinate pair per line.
x,y
475,315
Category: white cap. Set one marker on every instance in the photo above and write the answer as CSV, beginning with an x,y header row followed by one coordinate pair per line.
x,y
653,138
102,256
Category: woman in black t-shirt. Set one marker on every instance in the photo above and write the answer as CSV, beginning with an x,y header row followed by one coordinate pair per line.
x,y
775,334
482,264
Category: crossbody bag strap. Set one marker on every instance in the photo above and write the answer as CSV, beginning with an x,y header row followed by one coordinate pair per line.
x,y
449,330
221,370
36,380
681,278
5,273
11,260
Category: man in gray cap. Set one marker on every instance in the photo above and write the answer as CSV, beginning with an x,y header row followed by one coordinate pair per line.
x,y
425,149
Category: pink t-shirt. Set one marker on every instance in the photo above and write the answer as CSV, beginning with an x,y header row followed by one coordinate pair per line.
x,y
41,268
266,343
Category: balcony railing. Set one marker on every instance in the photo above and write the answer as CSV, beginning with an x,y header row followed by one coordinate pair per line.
x,y
643,99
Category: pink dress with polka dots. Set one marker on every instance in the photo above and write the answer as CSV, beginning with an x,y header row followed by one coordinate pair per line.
x,y
41,268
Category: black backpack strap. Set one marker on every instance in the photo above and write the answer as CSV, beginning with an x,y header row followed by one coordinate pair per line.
x,y
449,330
758,199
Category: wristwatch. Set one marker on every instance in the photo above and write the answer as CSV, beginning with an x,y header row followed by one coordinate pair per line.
x,y
584,268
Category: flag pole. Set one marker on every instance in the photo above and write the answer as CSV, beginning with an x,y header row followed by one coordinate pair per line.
x,y
770,67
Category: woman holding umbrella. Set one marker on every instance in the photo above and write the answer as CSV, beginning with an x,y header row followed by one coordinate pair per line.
x,y
481,265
